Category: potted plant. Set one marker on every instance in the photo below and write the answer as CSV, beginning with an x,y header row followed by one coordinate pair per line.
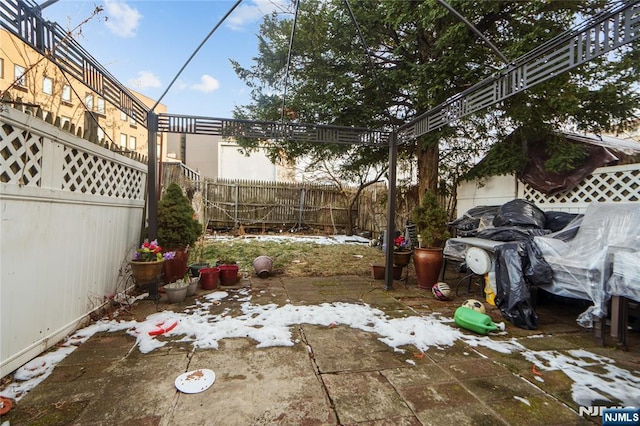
x,y
401,251
199,263
192,284
177,291
146,266
177,230
431,221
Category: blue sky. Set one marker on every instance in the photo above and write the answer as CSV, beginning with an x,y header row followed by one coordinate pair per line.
x,y
144,43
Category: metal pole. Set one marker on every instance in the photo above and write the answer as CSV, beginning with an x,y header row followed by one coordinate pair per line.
x,y
152,194
391,211
195,52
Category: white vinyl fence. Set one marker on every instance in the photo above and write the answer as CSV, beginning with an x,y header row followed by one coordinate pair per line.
x,y
605,184
70,213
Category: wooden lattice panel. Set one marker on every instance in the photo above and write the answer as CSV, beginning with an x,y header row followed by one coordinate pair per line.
x,y
20,156
606,184
90,174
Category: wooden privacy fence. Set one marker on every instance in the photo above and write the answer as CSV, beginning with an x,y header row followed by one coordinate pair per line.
x,y
259,204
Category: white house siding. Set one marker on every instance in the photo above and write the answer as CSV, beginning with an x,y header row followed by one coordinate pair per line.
x,y
234,165
493,191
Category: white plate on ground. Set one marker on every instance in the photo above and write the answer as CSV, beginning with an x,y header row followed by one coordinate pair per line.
x,y
195,381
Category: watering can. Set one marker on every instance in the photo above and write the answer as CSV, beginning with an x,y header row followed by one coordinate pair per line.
x,y
474,320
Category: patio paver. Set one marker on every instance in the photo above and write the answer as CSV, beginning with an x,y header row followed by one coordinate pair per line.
x,y
332,374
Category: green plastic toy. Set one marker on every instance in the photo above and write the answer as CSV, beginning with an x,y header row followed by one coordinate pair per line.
x,y
474,321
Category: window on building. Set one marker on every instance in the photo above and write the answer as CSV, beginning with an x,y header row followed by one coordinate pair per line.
x,y
123,140
1,67
132,143
100,108
66,93
19,75
47,85
123,116
100,134
88,101
132,119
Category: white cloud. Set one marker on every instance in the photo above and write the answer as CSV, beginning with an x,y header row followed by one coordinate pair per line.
x,y
207,84
180,84
253,11
145,80
122,19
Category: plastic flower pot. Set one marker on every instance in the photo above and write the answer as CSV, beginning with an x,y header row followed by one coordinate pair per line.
x,y
176,292
228,274
175,268
263,265
209,278
195,268
192,287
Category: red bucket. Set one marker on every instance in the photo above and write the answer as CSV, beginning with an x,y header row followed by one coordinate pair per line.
x,y
228,274
209,278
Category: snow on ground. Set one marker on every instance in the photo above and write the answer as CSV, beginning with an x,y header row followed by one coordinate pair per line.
x,y
596,377
329,239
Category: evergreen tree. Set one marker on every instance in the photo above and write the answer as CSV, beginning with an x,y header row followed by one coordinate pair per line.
x,y
422,55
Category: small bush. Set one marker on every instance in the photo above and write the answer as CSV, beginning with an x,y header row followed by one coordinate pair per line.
x,y
177,227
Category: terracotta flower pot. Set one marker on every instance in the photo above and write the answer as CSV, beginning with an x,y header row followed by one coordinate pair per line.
x,y
377,272
428,263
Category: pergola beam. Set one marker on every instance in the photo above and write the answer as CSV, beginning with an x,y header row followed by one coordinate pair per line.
x,y
300,132
596,37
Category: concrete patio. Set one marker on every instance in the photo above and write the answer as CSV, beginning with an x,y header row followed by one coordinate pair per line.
x,y
331,375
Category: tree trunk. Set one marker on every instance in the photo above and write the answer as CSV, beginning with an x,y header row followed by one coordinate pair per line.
x,y
428,154
349,230
350,204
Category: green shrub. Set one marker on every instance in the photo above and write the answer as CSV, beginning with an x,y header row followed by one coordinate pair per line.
x,y
177,227
431,221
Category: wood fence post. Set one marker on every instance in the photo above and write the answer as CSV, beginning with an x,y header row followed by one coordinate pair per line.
x,y
300,214
235,209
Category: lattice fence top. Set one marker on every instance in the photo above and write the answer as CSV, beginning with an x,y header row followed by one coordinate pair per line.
x,y
91,174
33,154
20,156
606,184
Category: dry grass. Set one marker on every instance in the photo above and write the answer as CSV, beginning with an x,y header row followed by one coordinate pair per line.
x,y
296,259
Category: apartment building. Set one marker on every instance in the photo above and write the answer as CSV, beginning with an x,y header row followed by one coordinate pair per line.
x,y
31,81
